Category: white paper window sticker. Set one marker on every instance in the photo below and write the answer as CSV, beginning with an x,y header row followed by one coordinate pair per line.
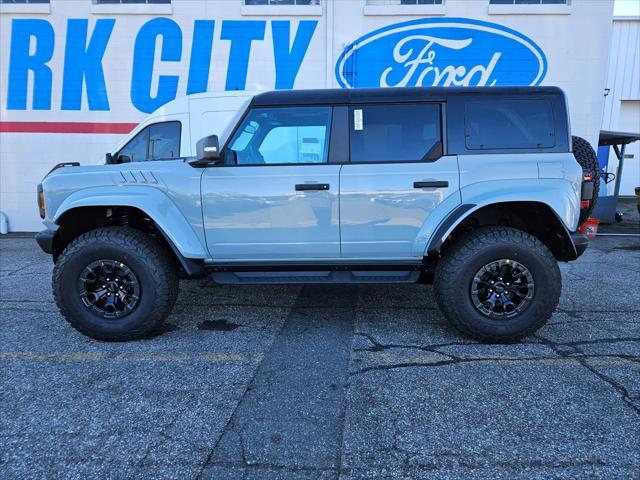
x,y
357,119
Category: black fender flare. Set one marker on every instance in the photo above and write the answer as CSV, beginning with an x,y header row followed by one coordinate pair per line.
x,y
573,244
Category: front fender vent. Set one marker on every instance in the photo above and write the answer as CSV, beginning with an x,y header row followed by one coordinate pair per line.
x,y
138,177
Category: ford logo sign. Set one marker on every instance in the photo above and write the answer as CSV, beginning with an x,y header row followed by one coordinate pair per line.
x,y
441,52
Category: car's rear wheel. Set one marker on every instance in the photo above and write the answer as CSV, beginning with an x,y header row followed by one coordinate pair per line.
x,y
497,284
115,284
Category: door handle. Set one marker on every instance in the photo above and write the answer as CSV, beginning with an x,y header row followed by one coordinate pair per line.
x,y
434,184
303,187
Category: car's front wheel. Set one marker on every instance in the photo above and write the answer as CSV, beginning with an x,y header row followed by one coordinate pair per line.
x,y
115,284
497,284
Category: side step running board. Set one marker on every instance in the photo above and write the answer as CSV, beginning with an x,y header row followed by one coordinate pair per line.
x,y
314,267
314,277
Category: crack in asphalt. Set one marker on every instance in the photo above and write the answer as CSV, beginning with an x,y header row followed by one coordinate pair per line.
x,y
379,346
581,359
563,350
454,360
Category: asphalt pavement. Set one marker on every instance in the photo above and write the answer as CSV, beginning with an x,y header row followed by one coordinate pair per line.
x,y
315,382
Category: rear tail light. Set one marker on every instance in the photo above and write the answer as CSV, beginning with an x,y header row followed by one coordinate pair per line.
x,y
41,201
586,194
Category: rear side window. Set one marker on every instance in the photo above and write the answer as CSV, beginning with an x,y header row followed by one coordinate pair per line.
x,y
395,133
509,124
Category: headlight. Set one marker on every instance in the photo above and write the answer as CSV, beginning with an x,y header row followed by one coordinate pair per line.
x,y
41,201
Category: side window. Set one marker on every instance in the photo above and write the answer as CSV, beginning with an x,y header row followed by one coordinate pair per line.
x,y
509,124
395,133
160,141
164,141
136,149
280,135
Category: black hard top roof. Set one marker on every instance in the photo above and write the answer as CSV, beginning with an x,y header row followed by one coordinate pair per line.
x,y
391,95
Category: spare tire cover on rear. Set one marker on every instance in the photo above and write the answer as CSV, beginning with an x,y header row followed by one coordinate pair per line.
x,y
586,156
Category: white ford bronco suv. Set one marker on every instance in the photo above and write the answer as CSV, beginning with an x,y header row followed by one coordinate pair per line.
x,y
479,191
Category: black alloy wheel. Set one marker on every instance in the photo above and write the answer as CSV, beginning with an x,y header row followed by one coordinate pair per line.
x,y
502,289
109,288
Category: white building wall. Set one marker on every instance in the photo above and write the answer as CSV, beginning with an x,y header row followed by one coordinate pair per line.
x,y
574,40
622,104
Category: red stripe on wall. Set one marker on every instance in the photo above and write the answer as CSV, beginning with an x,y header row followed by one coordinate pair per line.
x,y
66,127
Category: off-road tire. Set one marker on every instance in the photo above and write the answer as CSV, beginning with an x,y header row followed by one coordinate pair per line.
x,y
456,269
149,261
586,156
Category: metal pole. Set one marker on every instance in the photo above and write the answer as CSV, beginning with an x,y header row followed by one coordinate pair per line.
x,y
620,155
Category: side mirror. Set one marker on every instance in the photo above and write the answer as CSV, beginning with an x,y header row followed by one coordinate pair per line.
x,y
108,159
208,149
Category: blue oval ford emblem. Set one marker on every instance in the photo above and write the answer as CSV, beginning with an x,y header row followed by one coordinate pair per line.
x,y
441,52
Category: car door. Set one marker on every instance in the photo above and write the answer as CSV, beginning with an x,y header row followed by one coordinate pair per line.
x,y
397,176
276,195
